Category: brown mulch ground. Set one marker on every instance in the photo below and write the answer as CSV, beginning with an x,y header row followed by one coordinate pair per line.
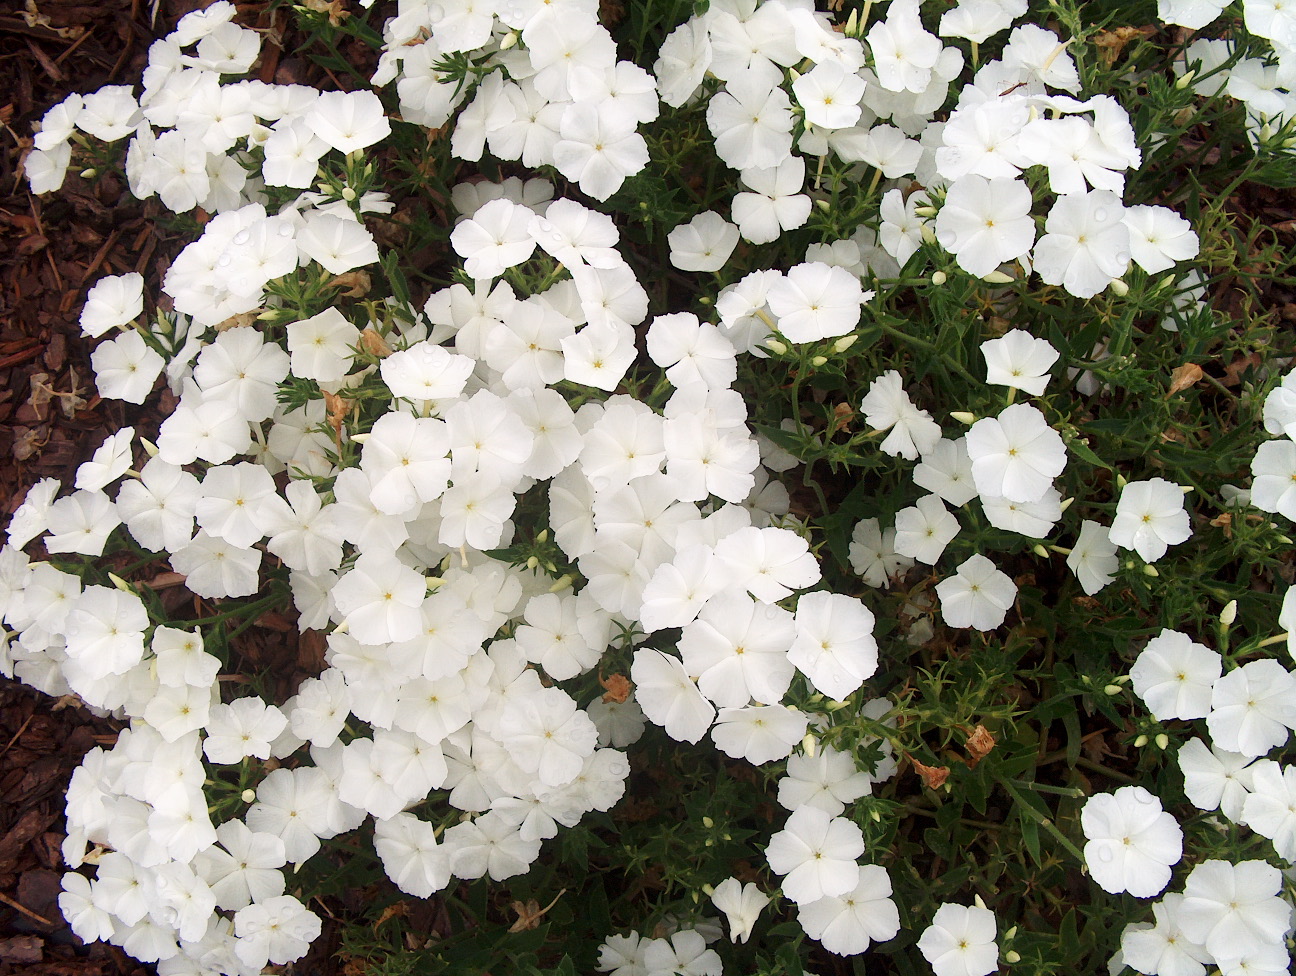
x,y
51,251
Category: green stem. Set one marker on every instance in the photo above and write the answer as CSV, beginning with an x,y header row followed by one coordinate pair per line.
x,y
1026,809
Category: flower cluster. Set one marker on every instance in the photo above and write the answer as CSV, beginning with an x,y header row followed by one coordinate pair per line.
x,y
543,474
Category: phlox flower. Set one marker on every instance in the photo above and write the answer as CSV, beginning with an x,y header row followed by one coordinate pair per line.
x,y
873,555
243,728
703,244
598,149
946,470
1274,471
984,223
691,351
904,53
961,941
113,301
548,736
759,733
1075,154
1253,708
978,595
1016,455
979,20
847,924
834,645
599,355
816,301
816,853
337,243
679,588
1163,948
496,237
923,530
1159,238
770,563
752,124
348,121
381,598
241,368
684,953
1215,779
405,460
125,368
886,406
1150,517
1032,519
574,234
81,523
1020,360
105,631
703,459
738,649
321,347
569,54
775,202
1174,674
277,930
827,780
1194,14
901,230
1093,558
1085,244
682,62
1132,842
1270,810
233,502
830,95
411,856
741,904
215,568
1230,906
669,697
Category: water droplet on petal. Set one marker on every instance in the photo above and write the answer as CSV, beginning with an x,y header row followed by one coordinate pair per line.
x,y
1104,855
556,237
285,230
1100,214
242,237
223,261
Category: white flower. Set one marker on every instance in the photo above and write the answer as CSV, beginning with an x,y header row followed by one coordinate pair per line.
x,y
1132,842
978,595
1016,455
703,244
817,854
742,905
1020,360
961,941
1150,518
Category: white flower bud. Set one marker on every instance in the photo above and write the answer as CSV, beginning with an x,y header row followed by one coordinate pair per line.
x,y
963,417
1140,742
1119,287
939,278
998,278
1162,741
844,343
1229,613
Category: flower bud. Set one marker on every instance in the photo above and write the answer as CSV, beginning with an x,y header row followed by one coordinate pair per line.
x,y
963,417
1040,551
844,343
877,817
708,823
809,744
561,583
1065,503
819,361
348,194
1119,287
924,212
979,901
149,447
120,583
532,562
247,796
1008,936
359,438
997,278
939,278
510,39
1140,742
823,205
1150,570
1112,690
1162,741
1229,613
776,347
1185,80
1012,956
88,174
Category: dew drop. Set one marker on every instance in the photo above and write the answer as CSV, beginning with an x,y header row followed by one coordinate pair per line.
x,y
1100,214
285,231
223,261
1105,855
556,237
242,237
